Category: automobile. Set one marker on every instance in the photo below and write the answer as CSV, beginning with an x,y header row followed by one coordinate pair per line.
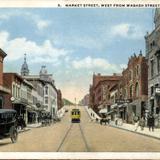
x,y
8,124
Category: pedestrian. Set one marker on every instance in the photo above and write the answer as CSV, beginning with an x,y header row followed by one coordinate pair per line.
x,y
151,122
116,120
142,123
136,122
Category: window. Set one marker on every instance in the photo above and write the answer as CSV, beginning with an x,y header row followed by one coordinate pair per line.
x,y
137,90
14,91
158,64
46,90
1,102
130,75
152,68
131,91
137,70
46,100
152,90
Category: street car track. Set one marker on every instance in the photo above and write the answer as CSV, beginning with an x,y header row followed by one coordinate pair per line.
x,y
65,136
67,133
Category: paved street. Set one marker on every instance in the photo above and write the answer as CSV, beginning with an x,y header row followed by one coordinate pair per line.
x,y
86,136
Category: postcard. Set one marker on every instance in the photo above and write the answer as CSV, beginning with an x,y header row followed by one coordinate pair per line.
x,y
79,79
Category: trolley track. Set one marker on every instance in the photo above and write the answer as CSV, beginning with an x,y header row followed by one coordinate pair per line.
x,y
64,140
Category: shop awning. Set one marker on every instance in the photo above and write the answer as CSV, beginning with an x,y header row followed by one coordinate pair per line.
x,y
100,106
114,105
104,110
110,112
122,105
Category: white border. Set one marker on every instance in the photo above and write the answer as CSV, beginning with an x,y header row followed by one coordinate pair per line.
x,y
79,155
75,155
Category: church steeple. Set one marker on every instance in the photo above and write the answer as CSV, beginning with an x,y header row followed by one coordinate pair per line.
x,y
24,68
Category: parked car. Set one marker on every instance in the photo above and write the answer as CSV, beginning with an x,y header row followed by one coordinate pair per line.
x,y
8,124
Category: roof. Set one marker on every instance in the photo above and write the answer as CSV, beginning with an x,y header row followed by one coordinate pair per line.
x,y
2,53
7,110
15,74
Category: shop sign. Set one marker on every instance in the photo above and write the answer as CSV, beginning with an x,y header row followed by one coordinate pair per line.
x,y
121,101
157,90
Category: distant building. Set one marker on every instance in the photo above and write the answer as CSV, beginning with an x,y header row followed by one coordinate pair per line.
x,y
99,91
59,99
24,68
85,100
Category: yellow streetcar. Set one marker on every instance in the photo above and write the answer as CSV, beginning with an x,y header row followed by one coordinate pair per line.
x,y
75,115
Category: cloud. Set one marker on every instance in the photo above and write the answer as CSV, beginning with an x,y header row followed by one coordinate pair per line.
x,y
15,48
41,24
36,19
126,30
93,63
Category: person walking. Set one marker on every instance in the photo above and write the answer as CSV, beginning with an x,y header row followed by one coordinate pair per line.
x,y
136,122
151,122
142,123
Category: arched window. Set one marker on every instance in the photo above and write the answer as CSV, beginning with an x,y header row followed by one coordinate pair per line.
x,y
131,91
46,90
137,89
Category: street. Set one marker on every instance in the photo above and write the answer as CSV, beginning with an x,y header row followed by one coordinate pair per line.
x,y
84,137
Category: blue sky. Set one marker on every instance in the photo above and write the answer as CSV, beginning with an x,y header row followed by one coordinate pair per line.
x,y
73,43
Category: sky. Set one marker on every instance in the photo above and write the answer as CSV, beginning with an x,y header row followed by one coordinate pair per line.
x,y
73,43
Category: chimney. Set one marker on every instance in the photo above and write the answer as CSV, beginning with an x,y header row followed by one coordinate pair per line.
x,y
2,56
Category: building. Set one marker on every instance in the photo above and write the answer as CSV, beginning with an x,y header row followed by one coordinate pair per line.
x,y
134,87
85,100
3,89
59,99
46,98
21,96
153,55
99,91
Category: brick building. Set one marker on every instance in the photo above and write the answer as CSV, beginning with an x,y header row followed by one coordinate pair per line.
x,y
59,99
134,86
99,91
3,89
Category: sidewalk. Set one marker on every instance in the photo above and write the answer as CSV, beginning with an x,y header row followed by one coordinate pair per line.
x,y
128,127
131,128
35,125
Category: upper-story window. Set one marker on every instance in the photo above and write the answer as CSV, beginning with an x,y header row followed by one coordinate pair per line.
x,y
46,100
152,90
137,90
152,67
46,90
131,91
137,70
158,63
130,75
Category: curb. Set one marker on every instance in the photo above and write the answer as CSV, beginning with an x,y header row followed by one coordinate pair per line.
x,y
24,130
135,132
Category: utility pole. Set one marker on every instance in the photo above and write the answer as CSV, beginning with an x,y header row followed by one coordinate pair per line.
x,y
75,102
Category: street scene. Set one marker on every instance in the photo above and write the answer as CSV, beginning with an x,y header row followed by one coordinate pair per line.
x,y
65,136
68,88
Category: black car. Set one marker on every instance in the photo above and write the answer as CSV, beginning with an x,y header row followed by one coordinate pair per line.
x,y
8,124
